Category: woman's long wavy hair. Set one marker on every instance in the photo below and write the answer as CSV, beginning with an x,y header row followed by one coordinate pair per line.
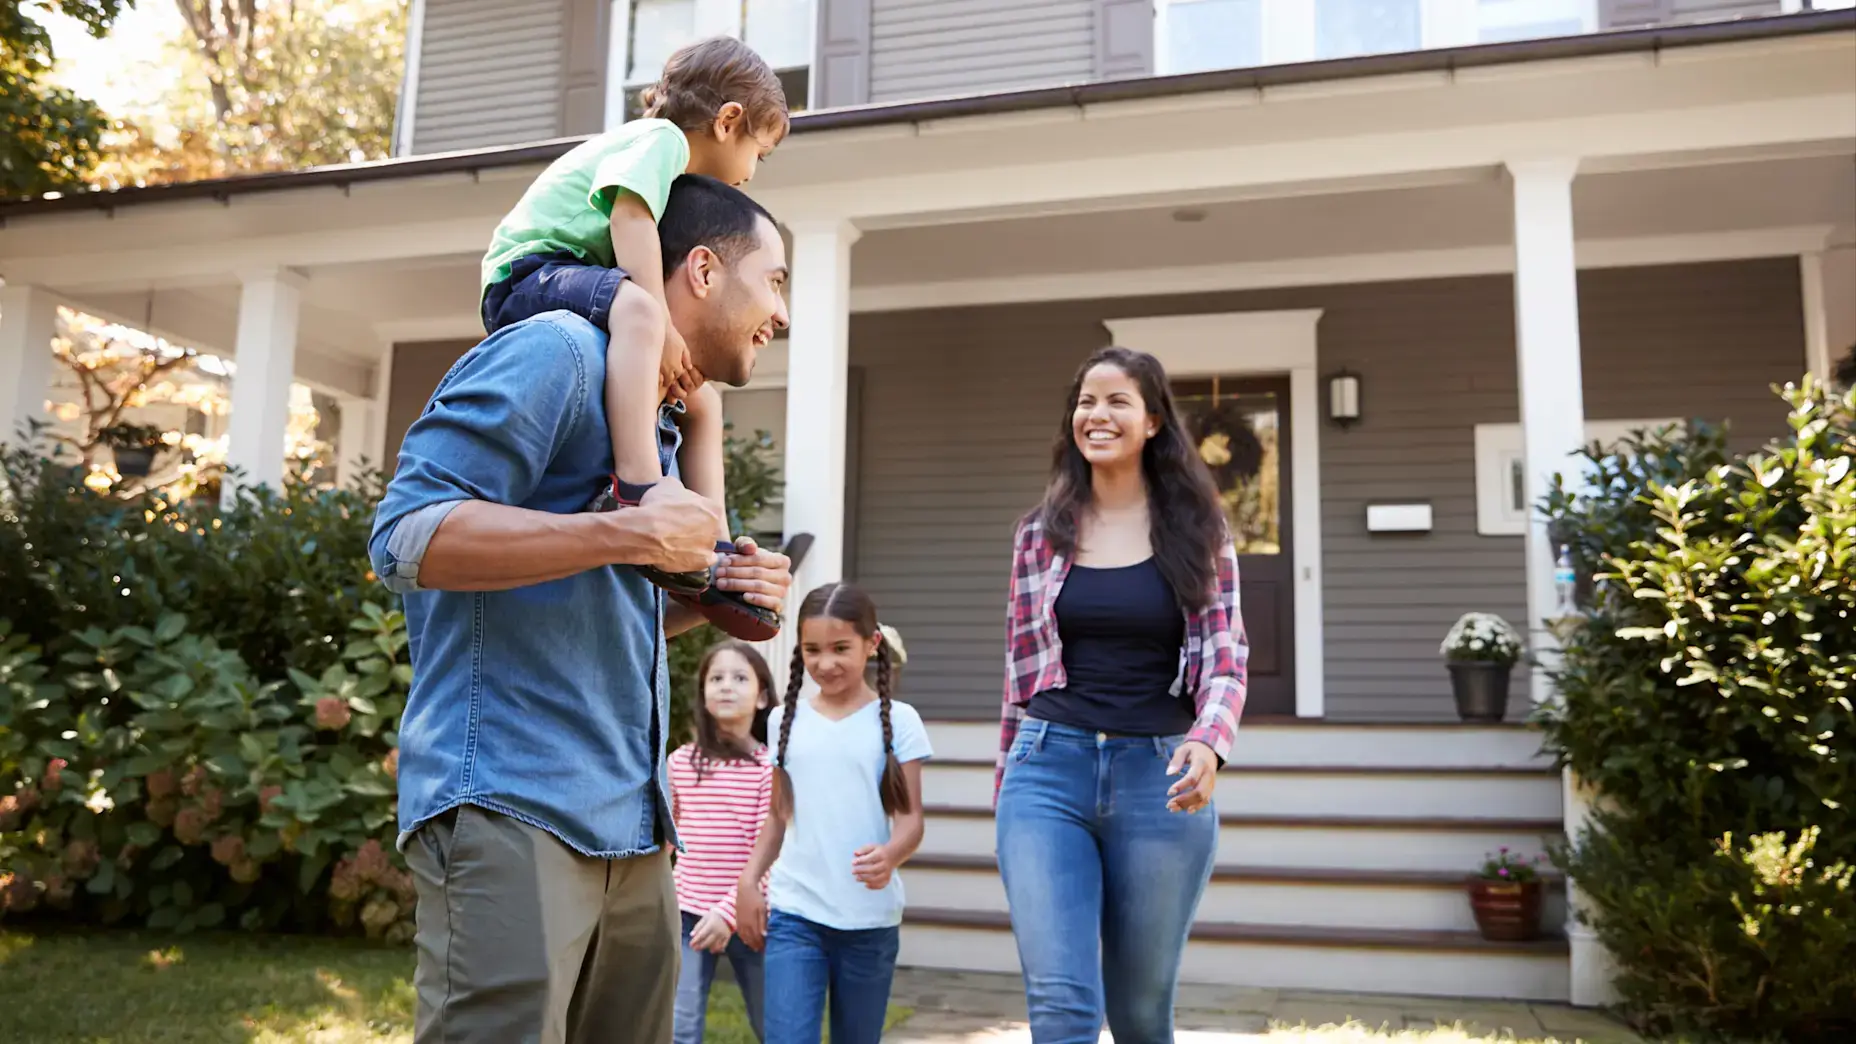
x,y
1185,515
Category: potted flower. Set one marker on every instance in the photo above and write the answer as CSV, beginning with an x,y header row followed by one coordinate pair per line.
x,y
893,648
134,447
1505,897
1481,651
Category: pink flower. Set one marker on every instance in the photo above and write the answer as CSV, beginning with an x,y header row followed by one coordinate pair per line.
x,y
195,778
391,763
332,713
161,784
81,858
265,796
228,849
345,883
371,863
54,775
212,801
161,812
1503,871
190,825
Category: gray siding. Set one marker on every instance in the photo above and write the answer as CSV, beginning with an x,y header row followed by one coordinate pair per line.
x,y
491,72
929,48
963,404
1631,14
417,369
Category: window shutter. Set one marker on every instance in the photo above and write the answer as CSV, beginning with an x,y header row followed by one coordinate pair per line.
x,y
1124,39
842,73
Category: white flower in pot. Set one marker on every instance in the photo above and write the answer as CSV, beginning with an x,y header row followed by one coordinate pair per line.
x,y
1481,651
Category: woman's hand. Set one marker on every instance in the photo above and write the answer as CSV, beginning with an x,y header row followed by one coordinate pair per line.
x,y
1193,791
873,865
751,915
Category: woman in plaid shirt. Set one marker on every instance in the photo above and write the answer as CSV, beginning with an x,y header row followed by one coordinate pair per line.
x,y
1124,683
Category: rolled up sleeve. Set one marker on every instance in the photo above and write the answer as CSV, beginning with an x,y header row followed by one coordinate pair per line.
x,y
488,433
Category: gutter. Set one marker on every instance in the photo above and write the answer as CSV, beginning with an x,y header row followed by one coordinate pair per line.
x,y
1651,40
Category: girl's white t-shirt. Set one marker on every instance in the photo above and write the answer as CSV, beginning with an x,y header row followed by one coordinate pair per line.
x,y
836,767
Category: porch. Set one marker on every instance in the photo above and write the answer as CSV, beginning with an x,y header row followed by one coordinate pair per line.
x,y
1510,258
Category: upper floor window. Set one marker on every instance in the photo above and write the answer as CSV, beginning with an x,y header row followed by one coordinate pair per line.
x,y
780,30
1200,35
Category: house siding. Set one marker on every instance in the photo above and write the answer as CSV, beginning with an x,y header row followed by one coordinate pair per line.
x,y
951,458
1631,14
936,48
491,72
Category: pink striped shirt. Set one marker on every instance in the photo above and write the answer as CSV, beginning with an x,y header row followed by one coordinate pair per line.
x,y
718,820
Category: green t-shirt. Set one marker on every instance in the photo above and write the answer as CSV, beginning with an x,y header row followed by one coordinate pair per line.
x,y
569,207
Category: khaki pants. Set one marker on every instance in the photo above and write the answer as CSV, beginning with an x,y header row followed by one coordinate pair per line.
x,y
524,941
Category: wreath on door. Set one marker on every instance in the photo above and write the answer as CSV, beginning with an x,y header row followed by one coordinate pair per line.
x,y
1227,442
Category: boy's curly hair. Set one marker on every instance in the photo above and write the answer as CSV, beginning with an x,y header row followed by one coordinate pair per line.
x,y
702,77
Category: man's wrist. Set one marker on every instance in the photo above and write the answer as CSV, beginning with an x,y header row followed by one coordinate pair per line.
x,y
630,536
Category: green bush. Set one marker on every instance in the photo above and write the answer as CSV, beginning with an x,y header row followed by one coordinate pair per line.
x,y
1707,698
199,707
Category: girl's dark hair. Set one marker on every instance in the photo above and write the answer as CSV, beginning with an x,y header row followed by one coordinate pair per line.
x,y
711,745
1184,514
702,77
849,603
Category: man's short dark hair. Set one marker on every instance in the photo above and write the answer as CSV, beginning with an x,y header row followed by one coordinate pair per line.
x,y
702,211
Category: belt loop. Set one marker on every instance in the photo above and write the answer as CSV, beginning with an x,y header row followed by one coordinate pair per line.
x,y
1037,743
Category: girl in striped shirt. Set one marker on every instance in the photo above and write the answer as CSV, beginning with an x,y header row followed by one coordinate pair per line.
x,y
721,786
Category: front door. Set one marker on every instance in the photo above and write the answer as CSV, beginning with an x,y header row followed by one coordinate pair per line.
x,y
1241,425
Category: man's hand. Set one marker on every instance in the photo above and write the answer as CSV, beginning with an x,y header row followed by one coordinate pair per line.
x,y
762,577
684,526
873,865
751,915
710,934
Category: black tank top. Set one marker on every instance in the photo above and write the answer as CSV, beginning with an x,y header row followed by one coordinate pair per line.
x,y
1122,630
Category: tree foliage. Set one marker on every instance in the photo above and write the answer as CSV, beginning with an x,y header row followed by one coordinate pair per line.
x,y
1709,699
52,138
267,85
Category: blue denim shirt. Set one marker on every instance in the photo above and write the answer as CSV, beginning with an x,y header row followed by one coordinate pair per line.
x,y
545,703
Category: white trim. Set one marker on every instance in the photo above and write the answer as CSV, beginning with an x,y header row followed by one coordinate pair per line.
x,y
28,322
1330,271
1817,353
409,83
431,328
1501,509
618,59
1264,343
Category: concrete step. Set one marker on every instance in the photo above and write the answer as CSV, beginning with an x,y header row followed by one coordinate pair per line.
x,y
1315,742
1292,842
1457,964
1321,790
1412,900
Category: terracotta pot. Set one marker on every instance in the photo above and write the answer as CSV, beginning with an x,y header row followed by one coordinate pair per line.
x,y
1506,911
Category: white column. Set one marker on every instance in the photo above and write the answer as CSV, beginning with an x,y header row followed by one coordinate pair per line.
x,y
28,319
1546,297
266,366
817,380
361,421
1818,358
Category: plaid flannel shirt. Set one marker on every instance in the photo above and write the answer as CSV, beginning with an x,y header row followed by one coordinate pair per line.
x,y
1213,661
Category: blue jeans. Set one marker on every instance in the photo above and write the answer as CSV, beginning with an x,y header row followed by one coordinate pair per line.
x,y
549,282
699,974
1102,880
805,960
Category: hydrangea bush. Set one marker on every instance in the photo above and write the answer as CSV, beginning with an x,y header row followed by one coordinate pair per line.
x,y
1482,638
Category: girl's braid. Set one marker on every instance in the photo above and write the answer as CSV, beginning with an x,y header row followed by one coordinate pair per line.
x,y
783,783
894,789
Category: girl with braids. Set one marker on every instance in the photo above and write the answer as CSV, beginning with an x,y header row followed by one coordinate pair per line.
x,y
721,789
847,803
1125,678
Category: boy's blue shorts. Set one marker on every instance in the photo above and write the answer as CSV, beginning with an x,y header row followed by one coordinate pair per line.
x,y
549,282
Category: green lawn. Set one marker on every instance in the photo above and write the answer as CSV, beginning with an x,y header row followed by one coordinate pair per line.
x,y
129,988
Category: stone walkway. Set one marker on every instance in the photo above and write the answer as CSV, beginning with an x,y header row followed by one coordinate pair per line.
x,y
974,1008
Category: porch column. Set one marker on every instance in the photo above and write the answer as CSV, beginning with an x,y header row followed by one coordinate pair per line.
x,y
817,381
28,319
1546,296
1819,358
360,438
266,366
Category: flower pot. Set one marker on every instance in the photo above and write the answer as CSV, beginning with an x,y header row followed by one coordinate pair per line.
x,y
1481,689
1506,911
134,461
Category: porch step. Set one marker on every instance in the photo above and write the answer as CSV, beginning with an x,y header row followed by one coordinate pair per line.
x,y
1496,792
1313,742
1390,843
1375,900
1357,960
